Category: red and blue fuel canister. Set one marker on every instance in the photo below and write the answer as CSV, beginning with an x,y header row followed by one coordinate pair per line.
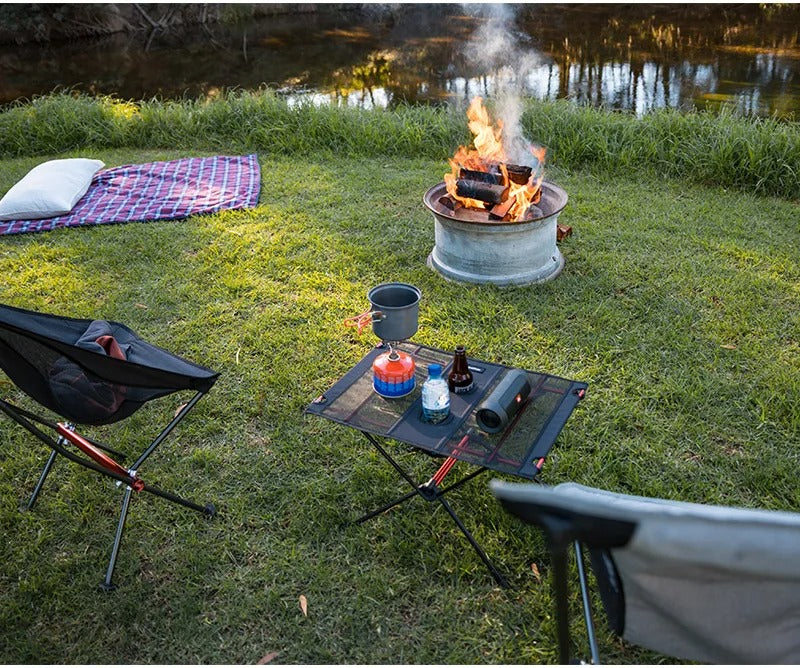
x,y
393,374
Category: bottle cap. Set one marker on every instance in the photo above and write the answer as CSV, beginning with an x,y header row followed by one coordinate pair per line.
x,y
435,369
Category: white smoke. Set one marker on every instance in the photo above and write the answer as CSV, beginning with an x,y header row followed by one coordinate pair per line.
x,y
499,47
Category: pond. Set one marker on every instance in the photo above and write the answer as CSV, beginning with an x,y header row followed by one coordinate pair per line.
x,y
628,57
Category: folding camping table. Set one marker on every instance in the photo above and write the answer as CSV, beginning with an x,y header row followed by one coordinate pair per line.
x,y
520,449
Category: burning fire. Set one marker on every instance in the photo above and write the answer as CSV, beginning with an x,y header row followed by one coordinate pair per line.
x,y
486,172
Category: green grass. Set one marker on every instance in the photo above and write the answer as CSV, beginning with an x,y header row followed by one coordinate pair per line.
x,y
753,154
678,305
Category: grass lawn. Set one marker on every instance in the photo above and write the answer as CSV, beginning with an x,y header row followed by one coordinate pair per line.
x,y
678,305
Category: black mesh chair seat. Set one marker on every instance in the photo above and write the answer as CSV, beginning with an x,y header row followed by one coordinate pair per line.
x,y
92,372
40,353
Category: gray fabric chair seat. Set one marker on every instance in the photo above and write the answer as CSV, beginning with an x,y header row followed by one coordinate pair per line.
x,y
705,583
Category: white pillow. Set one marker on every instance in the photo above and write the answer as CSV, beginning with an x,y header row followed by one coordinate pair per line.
x,y
50,189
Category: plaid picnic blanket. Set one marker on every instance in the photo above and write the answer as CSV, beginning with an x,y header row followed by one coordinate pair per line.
x,y
164,190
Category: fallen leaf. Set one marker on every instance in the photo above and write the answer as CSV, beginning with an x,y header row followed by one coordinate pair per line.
x,y
536,572
140,306
267,658
179,409
304,605
728,346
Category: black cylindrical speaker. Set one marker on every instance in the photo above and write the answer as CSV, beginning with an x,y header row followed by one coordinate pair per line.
x,y
502,404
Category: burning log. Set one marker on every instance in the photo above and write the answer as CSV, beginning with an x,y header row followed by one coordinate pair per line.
x,y
519,174
485,192
450,203
500,211
493,177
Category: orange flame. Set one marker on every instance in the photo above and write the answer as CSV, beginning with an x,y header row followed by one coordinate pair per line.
x,y
489,153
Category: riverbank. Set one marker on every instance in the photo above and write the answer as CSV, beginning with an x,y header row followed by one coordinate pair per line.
x,y
24,23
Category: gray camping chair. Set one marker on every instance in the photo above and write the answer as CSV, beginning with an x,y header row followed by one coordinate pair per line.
x,y
697,582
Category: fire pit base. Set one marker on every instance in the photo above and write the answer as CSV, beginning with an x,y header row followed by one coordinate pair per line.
x,y
475,250
540,275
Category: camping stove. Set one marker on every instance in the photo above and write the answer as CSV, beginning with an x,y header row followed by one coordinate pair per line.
x,y
393,314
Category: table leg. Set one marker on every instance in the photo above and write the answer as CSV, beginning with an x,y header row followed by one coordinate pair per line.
x,y
388,458
463,480
495,573
388,506
431,491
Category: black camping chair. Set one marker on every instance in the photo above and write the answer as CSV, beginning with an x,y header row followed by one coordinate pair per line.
x,y
697,582
93,372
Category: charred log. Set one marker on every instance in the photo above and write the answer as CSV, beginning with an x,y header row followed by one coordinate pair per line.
x,y
449,203
493,177
533,212
487,193
519,174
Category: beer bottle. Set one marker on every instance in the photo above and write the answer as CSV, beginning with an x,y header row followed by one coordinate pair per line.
x,y
459,380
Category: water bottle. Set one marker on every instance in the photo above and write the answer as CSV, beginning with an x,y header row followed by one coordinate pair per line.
x,y
435,396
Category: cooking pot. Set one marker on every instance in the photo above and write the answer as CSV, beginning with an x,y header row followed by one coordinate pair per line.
x,y
394,312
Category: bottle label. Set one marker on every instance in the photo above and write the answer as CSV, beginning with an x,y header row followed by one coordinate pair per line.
x,y
435,415
464,390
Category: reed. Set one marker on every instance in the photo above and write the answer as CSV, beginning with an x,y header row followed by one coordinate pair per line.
x,y
753,154
761,155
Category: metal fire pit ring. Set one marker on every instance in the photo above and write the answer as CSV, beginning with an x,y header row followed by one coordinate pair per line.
x,y
471,248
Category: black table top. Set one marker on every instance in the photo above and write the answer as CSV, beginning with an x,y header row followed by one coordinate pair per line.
x,y
518,449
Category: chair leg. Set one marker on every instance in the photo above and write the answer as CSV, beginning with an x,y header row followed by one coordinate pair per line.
x,y
107,584
50,461
208,510
587,609
559,563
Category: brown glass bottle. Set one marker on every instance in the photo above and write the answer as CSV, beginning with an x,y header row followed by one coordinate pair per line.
x,y
459,380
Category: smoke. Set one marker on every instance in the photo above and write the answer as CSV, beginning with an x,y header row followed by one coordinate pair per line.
x,y
500,47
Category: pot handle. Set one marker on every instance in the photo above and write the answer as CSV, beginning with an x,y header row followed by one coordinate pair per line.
x,y
366,318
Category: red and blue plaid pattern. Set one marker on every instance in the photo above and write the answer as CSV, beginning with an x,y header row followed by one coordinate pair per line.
x,y
165,190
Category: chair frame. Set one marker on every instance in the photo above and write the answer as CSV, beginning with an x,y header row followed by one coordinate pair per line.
x,y
100,462
562,530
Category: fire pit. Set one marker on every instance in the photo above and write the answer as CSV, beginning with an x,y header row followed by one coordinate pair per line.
x,y
495,220
469,246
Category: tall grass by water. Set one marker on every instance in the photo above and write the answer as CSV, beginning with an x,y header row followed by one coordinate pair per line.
x,y
755,154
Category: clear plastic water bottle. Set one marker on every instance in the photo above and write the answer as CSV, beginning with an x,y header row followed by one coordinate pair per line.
x,y
435,396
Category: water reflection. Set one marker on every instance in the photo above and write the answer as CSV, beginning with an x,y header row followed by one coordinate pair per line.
x,y
632,57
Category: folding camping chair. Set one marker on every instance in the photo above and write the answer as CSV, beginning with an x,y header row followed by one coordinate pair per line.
x,y
696,582
93,372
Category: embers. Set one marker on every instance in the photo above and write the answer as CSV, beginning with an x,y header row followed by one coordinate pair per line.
x,y
500,211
